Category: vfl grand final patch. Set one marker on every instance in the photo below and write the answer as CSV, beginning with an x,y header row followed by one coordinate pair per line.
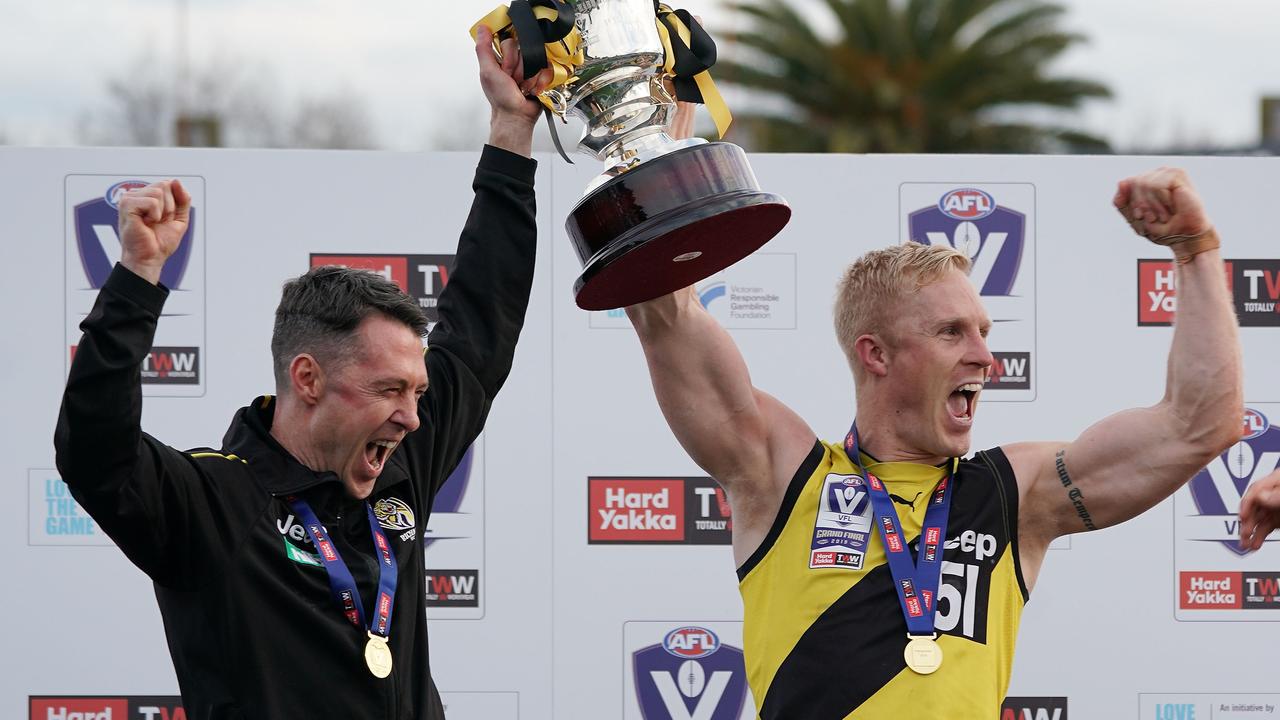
x,y
842,528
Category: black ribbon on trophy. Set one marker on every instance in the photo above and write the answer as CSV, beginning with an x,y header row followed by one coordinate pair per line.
x,y
551,39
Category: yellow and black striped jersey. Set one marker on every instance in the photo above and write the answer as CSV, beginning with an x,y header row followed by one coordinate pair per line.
x,y
824,632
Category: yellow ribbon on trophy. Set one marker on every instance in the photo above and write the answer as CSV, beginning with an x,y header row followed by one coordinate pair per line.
x,y
550,21
690,52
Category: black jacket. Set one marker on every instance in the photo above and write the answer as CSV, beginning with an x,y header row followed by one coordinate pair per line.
x,y
251,625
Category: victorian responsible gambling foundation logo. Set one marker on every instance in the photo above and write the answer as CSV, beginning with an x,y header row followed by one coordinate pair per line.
x,y
690,674
657,511
174,365
756,293
992,225
422,277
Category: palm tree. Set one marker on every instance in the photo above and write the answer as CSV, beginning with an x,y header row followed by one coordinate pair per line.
x,y
933,76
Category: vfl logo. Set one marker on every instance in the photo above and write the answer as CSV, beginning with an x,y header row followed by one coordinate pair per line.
x,y
393,514
1217,489
711,291
690,676
847,497
991,236
99,243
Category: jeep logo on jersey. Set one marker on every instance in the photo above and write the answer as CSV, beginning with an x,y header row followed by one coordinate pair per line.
x,y
99,242
1217,489
991,236
690,676
393,514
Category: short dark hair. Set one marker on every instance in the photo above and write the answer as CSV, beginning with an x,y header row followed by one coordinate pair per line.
x,y
320,310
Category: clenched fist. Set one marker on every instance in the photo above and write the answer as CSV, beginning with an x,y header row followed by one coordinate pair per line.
x,y
1163,207
153,221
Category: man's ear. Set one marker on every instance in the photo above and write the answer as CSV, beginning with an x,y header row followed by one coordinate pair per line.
x,y
306,379
872,354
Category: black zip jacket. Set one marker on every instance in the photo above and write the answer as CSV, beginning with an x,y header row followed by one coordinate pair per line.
x,y
251,624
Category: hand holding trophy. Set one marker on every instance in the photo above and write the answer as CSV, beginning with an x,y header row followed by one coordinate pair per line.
x,y
666,213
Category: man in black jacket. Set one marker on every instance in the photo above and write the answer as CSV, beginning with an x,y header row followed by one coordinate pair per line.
x,y
288,564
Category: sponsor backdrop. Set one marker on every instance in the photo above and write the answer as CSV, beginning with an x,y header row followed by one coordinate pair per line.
x,y
580,564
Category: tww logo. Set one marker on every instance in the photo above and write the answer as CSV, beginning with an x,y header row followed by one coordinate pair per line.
x,y
451,584
165,363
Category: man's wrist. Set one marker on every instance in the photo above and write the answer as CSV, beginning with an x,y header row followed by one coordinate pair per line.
x,y
1186,248
146,271
512,133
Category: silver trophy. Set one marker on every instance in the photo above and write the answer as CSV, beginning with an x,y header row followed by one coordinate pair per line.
x,y
619,92
666,213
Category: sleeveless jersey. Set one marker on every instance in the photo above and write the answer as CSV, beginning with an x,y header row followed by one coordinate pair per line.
x,y
824,642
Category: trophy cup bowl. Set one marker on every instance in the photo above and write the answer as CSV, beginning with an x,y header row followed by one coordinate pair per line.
x,y
667,213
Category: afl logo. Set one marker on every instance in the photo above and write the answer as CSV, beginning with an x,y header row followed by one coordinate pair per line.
x,y
967,204
691,642
115,191
1255,423
393,514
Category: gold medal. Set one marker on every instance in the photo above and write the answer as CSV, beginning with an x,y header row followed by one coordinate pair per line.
x,y
377,655
923,654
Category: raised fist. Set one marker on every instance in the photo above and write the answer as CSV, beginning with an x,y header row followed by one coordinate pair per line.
x,y
1162,206
153,221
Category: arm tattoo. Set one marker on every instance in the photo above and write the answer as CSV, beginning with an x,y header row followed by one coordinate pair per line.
x,y
1073,493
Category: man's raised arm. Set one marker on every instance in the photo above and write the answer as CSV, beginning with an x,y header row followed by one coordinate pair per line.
x,y
1126,463
131,484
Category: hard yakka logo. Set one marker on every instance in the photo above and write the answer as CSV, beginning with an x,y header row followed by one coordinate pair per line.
x,y
664,510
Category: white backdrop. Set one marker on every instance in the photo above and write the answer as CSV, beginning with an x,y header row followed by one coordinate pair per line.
x,y
544,605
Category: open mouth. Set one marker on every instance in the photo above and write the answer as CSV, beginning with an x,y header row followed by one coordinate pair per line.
x,y
961,401
377,452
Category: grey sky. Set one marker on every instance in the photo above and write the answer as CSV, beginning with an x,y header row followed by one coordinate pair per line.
x,y
1182,71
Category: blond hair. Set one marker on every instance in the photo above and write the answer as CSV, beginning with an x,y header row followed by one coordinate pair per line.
x,y
875,281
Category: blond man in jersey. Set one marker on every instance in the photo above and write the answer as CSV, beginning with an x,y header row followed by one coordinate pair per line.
x,y
825,628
